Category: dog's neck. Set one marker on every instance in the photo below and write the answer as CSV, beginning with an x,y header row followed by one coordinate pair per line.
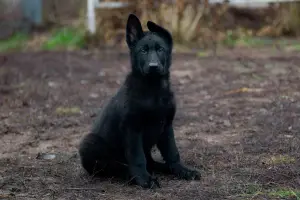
x,y
147,82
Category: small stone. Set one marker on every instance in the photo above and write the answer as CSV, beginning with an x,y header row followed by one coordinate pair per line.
x,y
227,123
52,84
45,156
101,73
94,95
263,111
83,82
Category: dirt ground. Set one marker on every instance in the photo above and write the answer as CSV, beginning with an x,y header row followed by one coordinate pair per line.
x,y
245,142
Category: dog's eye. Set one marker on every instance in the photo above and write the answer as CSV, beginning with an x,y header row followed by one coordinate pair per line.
x,y
160,49
143,50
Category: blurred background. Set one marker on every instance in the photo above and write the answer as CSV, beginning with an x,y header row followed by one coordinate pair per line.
x,y
235,73
195,24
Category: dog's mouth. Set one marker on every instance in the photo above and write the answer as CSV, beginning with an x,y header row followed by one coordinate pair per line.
x,y
154,71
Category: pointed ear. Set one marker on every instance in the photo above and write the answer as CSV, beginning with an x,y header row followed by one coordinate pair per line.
x,y
134,30
153,27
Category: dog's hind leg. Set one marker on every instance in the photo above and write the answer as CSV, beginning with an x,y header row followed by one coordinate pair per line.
x,y
97,158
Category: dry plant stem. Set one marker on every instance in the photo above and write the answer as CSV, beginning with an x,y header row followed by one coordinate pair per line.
x,y
83,189
194,24
179,11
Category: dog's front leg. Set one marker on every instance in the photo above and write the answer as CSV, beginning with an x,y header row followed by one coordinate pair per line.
x,y
137,162
169,151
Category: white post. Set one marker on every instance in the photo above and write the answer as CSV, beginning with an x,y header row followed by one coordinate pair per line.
x,y
91,18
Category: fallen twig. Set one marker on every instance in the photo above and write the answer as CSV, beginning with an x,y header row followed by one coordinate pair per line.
x,y
244,89
85,189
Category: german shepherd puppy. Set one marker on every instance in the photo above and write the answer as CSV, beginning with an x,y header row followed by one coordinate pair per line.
x,y
139,116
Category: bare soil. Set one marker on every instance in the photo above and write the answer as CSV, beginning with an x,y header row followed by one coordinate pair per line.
x,y
245,142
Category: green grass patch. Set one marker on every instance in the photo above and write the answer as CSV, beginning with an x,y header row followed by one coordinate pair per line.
x,y
230,39
257,77
285,193
251,191
247,41
293,47
14,43
235,38
296,47
203,54
253,42
65,38
279,159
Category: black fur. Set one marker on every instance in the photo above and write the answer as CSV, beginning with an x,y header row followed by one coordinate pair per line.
x,y
139,116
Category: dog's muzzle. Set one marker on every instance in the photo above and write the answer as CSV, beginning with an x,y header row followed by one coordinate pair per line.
x,y
153,67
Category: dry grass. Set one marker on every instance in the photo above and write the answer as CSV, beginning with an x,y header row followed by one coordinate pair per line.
x,y
193,24
206,24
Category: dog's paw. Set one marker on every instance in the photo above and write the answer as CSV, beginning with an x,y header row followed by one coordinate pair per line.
x,y
189,174
183,172
147,182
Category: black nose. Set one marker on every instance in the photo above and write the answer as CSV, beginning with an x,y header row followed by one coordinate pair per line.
x,y
153,64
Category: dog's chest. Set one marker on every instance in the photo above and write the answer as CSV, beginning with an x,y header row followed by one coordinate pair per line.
x,y
151,110
155,113
152,130
155,108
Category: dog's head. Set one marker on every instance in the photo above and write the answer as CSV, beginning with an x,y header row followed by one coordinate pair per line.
x,y
151,51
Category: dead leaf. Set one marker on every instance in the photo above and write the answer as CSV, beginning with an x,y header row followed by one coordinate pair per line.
x,y
227,123
244,89
71,110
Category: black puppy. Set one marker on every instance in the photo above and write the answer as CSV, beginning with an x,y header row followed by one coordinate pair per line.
x,y
139,116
